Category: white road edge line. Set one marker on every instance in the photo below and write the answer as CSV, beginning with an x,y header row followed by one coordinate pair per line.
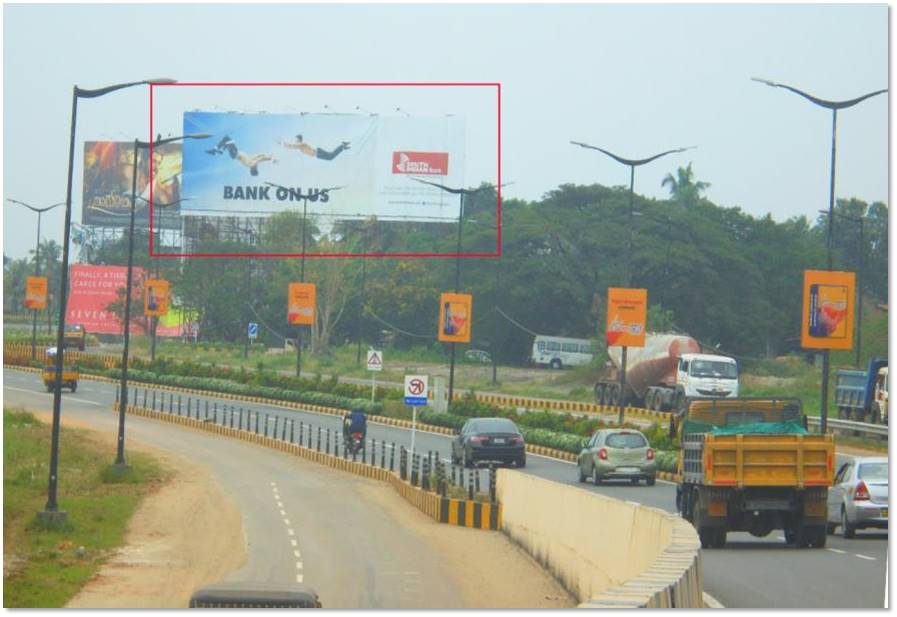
x,y
77,400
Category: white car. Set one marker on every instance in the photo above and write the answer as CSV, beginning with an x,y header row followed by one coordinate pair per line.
x,y
858,498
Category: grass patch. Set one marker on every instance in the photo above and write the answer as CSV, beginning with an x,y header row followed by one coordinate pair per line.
x,y
45,567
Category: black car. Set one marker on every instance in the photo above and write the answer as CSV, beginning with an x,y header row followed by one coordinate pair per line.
x,y
489,439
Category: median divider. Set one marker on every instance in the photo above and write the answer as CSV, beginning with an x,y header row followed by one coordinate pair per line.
x,y
630,555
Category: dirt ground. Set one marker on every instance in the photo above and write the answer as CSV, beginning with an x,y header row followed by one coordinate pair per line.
x,y
492,571
185,535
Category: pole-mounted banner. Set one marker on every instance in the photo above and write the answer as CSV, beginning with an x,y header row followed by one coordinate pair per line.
x,y
828,310
627,313
36,292
455,315
301,304
155,298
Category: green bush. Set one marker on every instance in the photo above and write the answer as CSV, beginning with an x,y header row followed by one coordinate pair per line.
x,y
666,460
243,389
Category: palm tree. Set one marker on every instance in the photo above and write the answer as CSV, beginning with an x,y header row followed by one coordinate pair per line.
x,y
683,188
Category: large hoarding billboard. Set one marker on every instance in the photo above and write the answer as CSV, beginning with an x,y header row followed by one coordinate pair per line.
x,y
343,165
108,172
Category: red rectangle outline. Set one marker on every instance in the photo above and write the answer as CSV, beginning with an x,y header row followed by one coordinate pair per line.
x,y
496,85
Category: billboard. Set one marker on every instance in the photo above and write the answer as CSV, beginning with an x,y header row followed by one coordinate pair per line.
x,y
155,298
627,312
108,171
301,304
36,292
828,310
455,315
91,290
342,165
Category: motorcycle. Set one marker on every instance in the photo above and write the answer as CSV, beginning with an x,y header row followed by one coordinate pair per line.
x,y
355,443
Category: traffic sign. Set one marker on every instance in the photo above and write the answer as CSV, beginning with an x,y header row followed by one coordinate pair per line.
x,y
375,360
253,331
416,390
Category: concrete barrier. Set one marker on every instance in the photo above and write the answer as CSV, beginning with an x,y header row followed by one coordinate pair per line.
x,y
606,552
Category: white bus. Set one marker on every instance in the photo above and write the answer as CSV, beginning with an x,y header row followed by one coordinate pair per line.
x,y
558,351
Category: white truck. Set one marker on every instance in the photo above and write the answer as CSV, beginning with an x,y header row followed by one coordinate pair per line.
x,y
665,372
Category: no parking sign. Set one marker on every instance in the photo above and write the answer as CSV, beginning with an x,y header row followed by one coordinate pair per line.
x,y
416,390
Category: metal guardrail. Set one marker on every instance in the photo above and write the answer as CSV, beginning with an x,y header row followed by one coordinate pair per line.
x,y
849,425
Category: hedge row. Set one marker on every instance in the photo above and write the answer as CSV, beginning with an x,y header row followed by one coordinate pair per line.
x,y
266,379
230,387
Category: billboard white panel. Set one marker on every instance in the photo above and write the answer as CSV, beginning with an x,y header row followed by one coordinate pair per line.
x,y
346,165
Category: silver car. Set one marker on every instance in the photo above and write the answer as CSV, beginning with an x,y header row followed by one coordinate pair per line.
x,y
858,497
617,454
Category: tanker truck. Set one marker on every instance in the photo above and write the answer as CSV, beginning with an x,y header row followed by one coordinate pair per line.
x,y
665,372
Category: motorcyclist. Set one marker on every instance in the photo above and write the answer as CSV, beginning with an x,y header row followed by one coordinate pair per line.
x,y
355,422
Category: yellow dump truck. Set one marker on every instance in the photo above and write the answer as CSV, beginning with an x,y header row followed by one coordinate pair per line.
x,y
749,464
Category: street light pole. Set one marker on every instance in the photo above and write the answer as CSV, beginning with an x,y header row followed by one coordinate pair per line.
x,y
834,106
304,199
364,262
632,164
40,212
462,192
51,513
862,266
123,395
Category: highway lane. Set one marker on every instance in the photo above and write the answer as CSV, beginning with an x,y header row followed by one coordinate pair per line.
x,y
750,572
300,519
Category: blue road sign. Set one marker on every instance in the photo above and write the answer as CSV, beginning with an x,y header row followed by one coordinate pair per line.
x,y
253,330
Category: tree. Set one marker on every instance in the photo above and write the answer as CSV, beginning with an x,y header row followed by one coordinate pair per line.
x,y
683,188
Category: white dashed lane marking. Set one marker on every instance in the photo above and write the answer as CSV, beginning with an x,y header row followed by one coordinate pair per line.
x,y
836,550
286,521
867,557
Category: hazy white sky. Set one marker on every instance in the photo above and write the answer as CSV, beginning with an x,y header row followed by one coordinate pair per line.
x,y
633,79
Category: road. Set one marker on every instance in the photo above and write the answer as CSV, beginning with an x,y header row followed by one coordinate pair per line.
x,y
749,573
335,532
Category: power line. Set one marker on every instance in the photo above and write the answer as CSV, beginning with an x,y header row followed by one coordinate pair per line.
x,y
513,321
396,328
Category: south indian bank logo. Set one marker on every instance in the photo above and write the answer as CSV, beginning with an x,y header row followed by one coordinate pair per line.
x,y
420,163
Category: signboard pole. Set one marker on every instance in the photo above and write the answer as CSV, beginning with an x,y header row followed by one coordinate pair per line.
x,y
373,385
413,426
823,411
622,386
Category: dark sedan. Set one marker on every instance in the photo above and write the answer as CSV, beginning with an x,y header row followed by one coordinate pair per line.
x,y
489,439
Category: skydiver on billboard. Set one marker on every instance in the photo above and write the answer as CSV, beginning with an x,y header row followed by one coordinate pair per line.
x,y
251,161
316,153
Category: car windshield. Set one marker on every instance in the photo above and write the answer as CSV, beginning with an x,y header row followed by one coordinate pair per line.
x,y
626,440
873,471
710,368
493,425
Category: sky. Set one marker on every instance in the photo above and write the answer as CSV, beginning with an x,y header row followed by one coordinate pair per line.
x,y
633,79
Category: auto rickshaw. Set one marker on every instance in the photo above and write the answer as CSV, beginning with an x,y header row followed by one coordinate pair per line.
x,y
70,372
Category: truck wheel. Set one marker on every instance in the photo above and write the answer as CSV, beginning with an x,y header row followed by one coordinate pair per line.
x,y
649,399
709,537
555,364
680,402
74,387
719,540
811,537
876,415
790,534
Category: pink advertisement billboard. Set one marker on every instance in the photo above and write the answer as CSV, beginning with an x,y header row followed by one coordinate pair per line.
x,y
92,289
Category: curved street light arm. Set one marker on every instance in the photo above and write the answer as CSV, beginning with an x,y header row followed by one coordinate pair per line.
x,y
630,162
32,208
168,140
85,93
818,101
